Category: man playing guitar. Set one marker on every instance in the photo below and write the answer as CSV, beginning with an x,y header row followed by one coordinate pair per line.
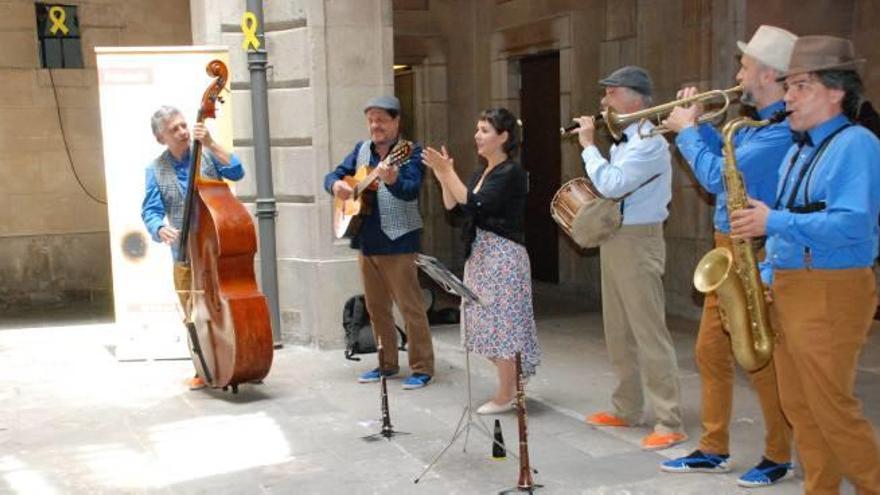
x,y
388,239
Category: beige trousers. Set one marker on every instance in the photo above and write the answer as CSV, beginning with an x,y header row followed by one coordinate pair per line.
x,y
634,314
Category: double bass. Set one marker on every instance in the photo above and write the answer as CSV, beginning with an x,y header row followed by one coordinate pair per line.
x,y
229,327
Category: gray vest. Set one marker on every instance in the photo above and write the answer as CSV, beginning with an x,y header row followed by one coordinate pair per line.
x,y
173,196
396,216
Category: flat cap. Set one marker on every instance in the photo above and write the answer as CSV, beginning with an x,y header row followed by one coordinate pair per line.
x,y
383,102
632,77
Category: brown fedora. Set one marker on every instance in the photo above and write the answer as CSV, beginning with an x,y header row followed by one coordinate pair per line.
x,y
815,53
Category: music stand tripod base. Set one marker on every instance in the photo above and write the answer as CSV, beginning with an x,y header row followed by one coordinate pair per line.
x,y
521,489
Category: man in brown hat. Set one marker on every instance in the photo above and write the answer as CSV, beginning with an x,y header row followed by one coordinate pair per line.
x,y
822,240
758,153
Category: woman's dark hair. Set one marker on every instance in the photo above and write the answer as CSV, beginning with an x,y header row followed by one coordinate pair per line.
x,y
850,83
502,120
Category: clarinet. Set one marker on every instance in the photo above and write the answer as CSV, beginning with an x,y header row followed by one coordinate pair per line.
x,y
525,471
387,430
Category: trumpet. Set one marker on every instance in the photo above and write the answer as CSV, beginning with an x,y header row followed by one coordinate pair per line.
x,y
615,122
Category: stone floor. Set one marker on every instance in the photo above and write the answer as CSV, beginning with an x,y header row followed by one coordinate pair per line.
x,y
75,420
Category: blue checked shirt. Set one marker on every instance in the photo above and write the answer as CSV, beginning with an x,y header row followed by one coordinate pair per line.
x,y
758,153
847,179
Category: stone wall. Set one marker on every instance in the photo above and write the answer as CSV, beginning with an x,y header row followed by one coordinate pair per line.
x,y
53,224
327,58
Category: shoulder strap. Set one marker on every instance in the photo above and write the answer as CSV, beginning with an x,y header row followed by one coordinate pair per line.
x,y
807,169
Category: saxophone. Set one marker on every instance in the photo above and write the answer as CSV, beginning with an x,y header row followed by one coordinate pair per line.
x,y
733,274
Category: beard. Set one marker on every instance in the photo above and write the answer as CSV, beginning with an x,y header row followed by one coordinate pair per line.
x,y
747,98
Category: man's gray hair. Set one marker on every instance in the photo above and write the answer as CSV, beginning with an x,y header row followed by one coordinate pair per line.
x,y
764,67
161,117
647,100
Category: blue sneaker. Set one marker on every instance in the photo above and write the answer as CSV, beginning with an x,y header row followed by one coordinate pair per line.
x,y
373,375
697,462
766,473
416,380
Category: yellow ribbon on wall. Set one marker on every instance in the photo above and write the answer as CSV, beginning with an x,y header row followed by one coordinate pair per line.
x,y
57,15
249,29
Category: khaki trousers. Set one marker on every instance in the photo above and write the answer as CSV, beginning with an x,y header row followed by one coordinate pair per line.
x,y
822,318
393,279
634,315
715,362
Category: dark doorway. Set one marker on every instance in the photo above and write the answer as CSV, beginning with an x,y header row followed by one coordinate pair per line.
x,y
404,90
539,99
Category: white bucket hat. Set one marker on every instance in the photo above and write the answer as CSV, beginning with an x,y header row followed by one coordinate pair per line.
x,y
771,46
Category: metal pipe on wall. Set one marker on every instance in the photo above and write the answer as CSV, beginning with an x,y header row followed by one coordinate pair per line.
x,y
266,210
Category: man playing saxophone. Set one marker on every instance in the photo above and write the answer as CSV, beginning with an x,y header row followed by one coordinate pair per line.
x,y
821,244
758,151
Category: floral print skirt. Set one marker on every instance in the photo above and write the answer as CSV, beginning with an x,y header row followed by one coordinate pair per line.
x,y
498,271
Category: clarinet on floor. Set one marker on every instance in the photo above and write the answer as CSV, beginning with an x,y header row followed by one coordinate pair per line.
x,y
525,472
525,483
387,430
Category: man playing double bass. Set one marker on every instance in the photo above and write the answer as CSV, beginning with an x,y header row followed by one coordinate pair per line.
x,y
167,179
758,152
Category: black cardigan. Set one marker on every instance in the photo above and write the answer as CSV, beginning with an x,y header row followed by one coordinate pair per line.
x,y
499,206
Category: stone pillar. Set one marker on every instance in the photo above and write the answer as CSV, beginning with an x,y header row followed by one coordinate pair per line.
x,y
327,57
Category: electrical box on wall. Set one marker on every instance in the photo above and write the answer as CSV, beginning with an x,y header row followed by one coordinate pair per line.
x,y
59,36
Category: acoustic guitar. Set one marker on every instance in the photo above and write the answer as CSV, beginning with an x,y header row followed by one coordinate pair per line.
x,y
348,214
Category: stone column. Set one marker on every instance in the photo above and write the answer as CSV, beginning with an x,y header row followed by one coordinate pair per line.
x,y
327,57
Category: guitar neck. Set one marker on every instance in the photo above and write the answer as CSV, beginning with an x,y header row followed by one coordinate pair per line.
x,y
364,184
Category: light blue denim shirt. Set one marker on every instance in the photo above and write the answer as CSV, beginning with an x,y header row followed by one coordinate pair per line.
x,y
758,153
846,178
632,163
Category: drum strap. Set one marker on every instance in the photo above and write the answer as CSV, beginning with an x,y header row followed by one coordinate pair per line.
x,y
622,199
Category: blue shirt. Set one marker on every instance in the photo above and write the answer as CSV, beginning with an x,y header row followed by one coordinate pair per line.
x,y
847,179
632,163
370,239
153,209
758,152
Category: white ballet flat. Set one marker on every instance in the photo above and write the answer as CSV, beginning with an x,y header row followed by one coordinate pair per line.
x,y
493,408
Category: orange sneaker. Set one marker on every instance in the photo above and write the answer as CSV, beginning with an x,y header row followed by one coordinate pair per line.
x,y
658,440
196,383
605,419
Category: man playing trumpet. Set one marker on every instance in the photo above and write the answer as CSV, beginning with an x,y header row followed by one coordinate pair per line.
x,y
632,264
758,152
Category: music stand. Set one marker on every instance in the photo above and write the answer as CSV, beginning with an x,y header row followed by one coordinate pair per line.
x,y
446,279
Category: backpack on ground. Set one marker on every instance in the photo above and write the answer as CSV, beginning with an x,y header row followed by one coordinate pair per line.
x,y
358,330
